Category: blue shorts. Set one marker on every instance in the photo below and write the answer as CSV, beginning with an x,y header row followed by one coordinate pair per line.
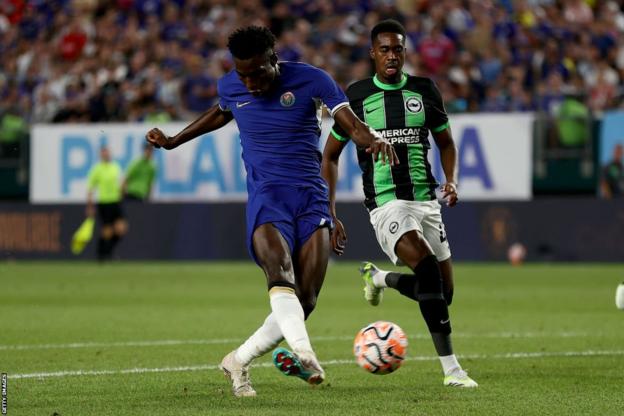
x,y
296,211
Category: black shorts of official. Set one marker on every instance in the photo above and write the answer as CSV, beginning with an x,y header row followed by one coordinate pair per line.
x,y
109,213
133,198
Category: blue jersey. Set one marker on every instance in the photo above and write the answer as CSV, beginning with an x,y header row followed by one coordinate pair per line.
x,y
280,130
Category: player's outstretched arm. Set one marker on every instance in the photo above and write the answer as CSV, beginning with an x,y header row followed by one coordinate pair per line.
x,y
211,120
448,157
329,170
363,136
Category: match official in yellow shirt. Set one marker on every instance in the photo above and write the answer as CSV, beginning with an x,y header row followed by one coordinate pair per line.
x,y
105,180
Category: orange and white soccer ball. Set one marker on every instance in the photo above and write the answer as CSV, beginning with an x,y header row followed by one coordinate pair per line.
x,y
380,347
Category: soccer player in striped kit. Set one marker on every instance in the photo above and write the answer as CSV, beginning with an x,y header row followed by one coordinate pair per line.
x,y
401,198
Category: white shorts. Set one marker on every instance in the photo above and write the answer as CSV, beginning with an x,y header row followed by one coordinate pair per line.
x,y
397,217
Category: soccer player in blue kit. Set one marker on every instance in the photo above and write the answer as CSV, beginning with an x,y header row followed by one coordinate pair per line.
x,y
277,106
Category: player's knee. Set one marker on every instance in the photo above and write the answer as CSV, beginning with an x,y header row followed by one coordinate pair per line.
x,y
107,232
429,276
274,261
277,268
121,228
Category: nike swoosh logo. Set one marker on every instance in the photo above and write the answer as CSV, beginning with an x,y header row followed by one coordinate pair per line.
x,y
445,322
371,110
239,105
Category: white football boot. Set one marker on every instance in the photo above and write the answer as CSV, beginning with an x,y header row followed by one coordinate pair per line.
x,y
459,378
372,293
238,376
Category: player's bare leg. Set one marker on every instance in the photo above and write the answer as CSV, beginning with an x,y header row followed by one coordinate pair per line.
x,y
310,267
273,254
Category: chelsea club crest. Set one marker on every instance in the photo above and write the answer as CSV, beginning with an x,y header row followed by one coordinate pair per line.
x,y
287,99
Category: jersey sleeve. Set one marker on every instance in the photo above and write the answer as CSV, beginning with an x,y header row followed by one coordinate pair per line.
x,y
224,104
339,133
329,92
435,113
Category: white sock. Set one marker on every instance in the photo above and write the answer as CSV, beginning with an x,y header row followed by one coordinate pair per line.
x,y
288,314
379,278
449,363
267,337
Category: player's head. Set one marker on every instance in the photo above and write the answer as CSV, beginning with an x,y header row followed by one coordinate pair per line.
x,y
388,50
255,60
105,154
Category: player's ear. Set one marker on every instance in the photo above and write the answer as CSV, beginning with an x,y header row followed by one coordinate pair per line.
x,y
273,59
371,52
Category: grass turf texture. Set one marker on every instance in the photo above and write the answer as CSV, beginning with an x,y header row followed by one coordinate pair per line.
x,y
540,339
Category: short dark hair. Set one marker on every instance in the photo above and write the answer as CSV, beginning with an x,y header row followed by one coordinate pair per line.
x,y
250,41
387,26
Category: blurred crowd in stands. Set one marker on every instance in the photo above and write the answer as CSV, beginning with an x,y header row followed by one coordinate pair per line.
x,y
158,60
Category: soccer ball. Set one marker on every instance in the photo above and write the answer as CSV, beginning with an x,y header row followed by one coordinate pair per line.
x,y
619,296
380,347
516,254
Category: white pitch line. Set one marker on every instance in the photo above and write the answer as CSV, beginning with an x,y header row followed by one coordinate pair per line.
x,y
167,342
511,355
164,342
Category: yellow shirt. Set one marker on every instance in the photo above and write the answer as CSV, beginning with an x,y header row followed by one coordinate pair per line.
x,y
106,177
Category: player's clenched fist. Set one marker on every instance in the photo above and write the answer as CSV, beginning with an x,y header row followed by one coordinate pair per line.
x,y
449,192
158,139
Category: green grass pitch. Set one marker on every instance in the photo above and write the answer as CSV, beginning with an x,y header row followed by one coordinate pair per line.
x,y
145,339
